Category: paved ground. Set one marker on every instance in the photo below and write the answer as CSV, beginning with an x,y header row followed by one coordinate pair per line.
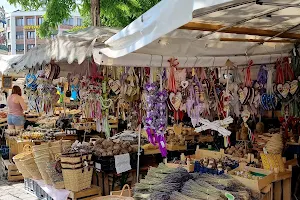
x,y
14,191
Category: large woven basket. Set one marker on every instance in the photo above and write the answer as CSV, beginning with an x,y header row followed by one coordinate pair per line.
x,y
74,158
55,174
41,163
32,168
117,197
59,147
77,179
19,162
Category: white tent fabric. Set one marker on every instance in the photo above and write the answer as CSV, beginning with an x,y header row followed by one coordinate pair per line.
x,y
70,46
155,32
147,60
163,18
7,60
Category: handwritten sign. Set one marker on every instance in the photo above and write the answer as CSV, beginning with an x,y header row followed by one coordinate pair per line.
x,y
7,82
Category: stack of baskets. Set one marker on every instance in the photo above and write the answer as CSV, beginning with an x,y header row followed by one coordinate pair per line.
x,y
77,169
18,160
42,157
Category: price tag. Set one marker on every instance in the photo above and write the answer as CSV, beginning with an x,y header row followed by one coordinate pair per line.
x,y
122,163
98,166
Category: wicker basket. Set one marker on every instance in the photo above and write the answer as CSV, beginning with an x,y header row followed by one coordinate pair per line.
x,y
117,197
40,147
41,163
19,162
55,174
31,167
77,179
75,158
58,147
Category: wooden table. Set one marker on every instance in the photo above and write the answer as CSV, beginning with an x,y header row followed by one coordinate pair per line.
x,y
283,185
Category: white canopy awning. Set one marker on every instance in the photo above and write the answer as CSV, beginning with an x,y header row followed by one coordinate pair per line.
x,y
68,46
206,30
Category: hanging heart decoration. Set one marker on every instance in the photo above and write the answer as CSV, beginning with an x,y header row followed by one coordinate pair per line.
x,y
115,85
175,100
293,87
184,84
285,90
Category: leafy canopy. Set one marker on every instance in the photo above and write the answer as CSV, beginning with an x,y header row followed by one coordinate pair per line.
x,y
113,13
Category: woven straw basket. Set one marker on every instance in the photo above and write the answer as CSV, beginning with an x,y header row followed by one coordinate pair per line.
x,y
77,179
19,162
31,167
117,197
41,163
75,158
55,174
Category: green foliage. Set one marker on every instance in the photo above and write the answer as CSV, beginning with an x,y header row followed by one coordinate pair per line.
x,y
113,13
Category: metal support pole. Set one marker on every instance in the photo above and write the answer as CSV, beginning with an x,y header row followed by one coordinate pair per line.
x,y
241,22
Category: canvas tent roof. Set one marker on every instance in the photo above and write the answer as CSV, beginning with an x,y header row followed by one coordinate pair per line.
x,y
68,46
209,31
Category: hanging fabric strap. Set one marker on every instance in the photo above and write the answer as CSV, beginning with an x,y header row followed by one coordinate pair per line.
x,y
171,80
279,73
248,81
288,72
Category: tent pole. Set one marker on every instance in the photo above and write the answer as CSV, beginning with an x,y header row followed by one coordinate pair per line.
x,y
241,22
139,153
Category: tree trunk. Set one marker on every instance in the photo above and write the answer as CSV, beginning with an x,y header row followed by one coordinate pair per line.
x,y
95,12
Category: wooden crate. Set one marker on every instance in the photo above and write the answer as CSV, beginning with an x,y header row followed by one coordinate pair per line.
x,y
16,146
189,166
13,173
202,153
171,147
247,160
86,194
256,185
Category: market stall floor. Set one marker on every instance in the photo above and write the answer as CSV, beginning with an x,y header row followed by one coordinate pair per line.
x,y
14,191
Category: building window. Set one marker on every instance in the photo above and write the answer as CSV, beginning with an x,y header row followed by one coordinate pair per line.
x,y
19,47
19,22
40,20
19,35
30,35
29,46
79,22
30,21
9,48
8,35
68,22
8,22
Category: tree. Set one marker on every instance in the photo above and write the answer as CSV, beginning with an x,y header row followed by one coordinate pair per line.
x,y
113,13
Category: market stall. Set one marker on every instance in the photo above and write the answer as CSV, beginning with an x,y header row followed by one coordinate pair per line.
x,y
217,98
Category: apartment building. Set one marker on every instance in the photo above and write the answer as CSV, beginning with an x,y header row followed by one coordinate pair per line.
x,y
21,29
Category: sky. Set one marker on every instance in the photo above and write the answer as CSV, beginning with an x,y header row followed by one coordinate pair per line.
x,y
8,8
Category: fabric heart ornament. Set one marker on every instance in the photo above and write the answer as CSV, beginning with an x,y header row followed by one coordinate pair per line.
x,y
243,94
285,90
184,84
293,87
115,85
279,89
175,100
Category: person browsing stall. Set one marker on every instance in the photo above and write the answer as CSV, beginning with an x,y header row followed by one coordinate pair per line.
x,y
16,108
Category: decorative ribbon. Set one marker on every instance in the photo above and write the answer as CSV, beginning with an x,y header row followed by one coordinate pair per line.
x,y
262,75
171,80
279,73
248,81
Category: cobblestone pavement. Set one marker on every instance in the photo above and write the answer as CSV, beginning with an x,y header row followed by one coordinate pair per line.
x,y
14,191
